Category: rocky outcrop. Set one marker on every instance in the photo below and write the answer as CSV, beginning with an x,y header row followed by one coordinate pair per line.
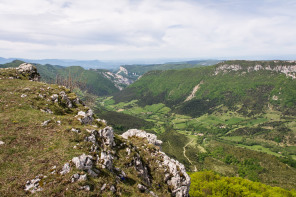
x,y
65,99
176,176
288,68
152,139
85,117
103,162
119,79
30,70
141,169
83,162
175,172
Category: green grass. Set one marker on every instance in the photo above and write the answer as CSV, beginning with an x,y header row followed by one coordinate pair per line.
x,y
260,149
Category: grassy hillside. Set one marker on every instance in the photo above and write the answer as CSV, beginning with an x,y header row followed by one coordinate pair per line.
x,y
43,129
91,81
251,89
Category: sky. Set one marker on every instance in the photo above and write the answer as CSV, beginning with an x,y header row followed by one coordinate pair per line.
x,y
148,29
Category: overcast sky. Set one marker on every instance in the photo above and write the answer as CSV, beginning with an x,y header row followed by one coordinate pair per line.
x,y
148,29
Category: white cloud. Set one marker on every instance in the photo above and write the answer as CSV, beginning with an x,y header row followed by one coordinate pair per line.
x,y
112,29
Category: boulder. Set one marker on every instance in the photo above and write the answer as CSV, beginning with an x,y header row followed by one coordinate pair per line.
x,y
83,162
85,117
30,70
152,139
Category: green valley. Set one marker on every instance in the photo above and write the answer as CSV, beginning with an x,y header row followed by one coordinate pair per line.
x,y
236,118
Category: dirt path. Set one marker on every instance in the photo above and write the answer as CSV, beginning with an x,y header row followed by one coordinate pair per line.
x,y
184,153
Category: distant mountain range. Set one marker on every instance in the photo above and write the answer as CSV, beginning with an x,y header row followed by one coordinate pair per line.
x,y
66,62
98,64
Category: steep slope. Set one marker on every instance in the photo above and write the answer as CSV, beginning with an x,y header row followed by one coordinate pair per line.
x,y
53,145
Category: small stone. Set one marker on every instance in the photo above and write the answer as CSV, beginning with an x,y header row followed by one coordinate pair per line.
x,y
128,151
92,173
66,169
23,95
83,178
33,185
54,97
59,122
113,189
142,188
86,188
45,123
75,130
1,143
76,176
103,187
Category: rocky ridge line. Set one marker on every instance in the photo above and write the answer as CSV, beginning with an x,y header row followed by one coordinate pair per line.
x,y
288,70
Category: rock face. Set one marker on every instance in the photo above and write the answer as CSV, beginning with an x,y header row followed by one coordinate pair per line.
x,y
152,139
175,173
119,79
289,70
176,176
29,69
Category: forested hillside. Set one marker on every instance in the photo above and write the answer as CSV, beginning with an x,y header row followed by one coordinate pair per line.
x,y
138,70
236,118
